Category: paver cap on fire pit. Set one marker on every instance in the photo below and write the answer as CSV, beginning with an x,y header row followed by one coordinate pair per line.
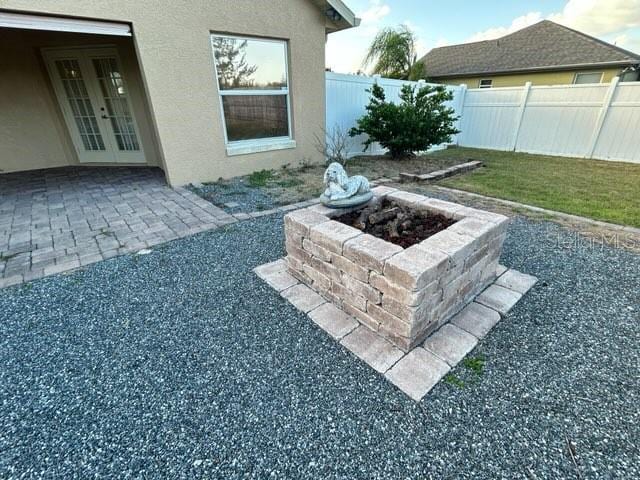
x,y
403,294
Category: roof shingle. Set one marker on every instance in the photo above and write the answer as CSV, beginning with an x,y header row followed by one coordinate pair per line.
x,y
544,45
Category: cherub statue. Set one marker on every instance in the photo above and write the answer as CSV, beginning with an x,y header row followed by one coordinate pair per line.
x,y
342,190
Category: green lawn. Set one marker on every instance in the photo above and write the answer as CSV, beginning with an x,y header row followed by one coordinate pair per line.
x,y
608,191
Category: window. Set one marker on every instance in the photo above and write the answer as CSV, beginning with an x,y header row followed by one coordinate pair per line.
x,y
486,83
254,90
590,77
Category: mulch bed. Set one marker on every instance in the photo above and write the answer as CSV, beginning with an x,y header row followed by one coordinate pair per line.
x,y
396,223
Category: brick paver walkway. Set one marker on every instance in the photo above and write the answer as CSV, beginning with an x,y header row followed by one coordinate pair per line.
x,y
59,219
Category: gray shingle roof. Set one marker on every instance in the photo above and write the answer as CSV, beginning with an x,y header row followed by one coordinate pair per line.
x,y
543,46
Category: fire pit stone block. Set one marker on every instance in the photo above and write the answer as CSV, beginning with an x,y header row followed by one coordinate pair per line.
x,y
402,294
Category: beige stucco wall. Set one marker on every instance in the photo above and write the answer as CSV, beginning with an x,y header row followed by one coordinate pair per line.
x,y
541,78
34,134
174,52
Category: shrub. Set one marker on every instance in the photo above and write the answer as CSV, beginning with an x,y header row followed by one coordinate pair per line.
x,y
419,121
334,145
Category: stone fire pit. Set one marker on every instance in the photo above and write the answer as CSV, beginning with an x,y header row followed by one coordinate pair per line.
x,y
403,294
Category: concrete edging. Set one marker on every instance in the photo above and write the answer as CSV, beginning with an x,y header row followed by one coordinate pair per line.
x,y
440,174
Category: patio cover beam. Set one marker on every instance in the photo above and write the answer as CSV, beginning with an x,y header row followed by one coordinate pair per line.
x,y
63,24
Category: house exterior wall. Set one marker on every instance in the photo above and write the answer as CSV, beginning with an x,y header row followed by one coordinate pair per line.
x,y
540,78
172,41
34,133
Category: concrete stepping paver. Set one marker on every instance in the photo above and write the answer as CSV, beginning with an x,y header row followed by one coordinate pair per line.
x,y
516,281
302,297
476,319
267,269
501,299
333,320
281,280
417,373
450,343
378,353
501,269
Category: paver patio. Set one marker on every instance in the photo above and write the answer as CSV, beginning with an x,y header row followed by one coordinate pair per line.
x,y
59,219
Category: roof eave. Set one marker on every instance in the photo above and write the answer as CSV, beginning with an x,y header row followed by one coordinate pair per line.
x,y
551,68
347,18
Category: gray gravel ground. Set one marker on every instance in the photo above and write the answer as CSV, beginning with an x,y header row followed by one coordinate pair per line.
x,y
183,364
236,190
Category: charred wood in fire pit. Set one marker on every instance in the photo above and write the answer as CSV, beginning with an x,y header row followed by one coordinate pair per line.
x,y
396,223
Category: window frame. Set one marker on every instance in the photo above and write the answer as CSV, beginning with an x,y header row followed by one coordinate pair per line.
x,y
236,147
577,74
490,80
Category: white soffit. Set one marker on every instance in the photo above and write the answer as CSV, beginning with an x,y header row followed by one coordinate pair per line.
x,y
62,24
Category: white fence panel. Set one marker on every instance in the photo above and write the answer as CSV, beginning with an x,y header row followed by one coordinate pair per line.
x,y
347,97
485,108
560,120
620,135
593,121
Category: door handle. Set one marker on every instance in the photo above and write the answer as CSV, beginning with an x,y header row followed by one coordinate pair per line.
x,y
105,116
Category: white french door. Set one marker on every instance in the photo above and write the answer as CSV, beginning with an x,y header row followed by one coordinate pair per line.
x,y
94,98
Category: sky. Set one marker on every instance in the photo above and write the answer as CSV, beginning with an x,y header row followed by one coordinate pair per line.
x,y
437,23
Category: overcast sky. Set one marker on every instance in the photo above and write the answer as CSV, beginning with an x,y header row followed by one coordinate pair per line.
x,y
437,23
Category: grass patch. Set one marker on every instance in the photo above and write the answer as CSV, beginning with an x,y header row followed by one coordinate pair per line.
x,y
6,258
451,379
290,182
597,189
290,185
475,364
106,232
260,178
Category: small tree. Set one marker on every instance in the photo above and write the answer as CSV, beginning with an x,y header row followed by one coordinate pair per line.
x,y
335,144
393,54
419,121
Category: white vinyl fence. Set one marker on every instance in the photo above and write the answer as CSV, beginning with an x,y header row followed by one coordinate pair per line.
x,y
592,121
347,97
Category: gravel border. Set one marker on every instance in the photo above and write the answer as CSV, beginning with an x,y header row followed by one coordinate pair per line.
x,y
235,196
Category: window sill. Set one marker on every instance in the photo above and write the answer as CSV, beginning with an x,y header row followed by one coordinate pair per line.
x,y
259,147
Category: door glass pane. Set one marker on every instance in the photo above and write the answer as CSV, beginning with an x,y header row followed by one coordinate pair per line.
x,y
250,64
81,108
248,117
116,103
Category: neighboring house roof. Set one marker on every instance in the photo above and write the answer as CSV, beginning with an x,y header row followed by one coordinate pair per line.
x,y
543,46
340,16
